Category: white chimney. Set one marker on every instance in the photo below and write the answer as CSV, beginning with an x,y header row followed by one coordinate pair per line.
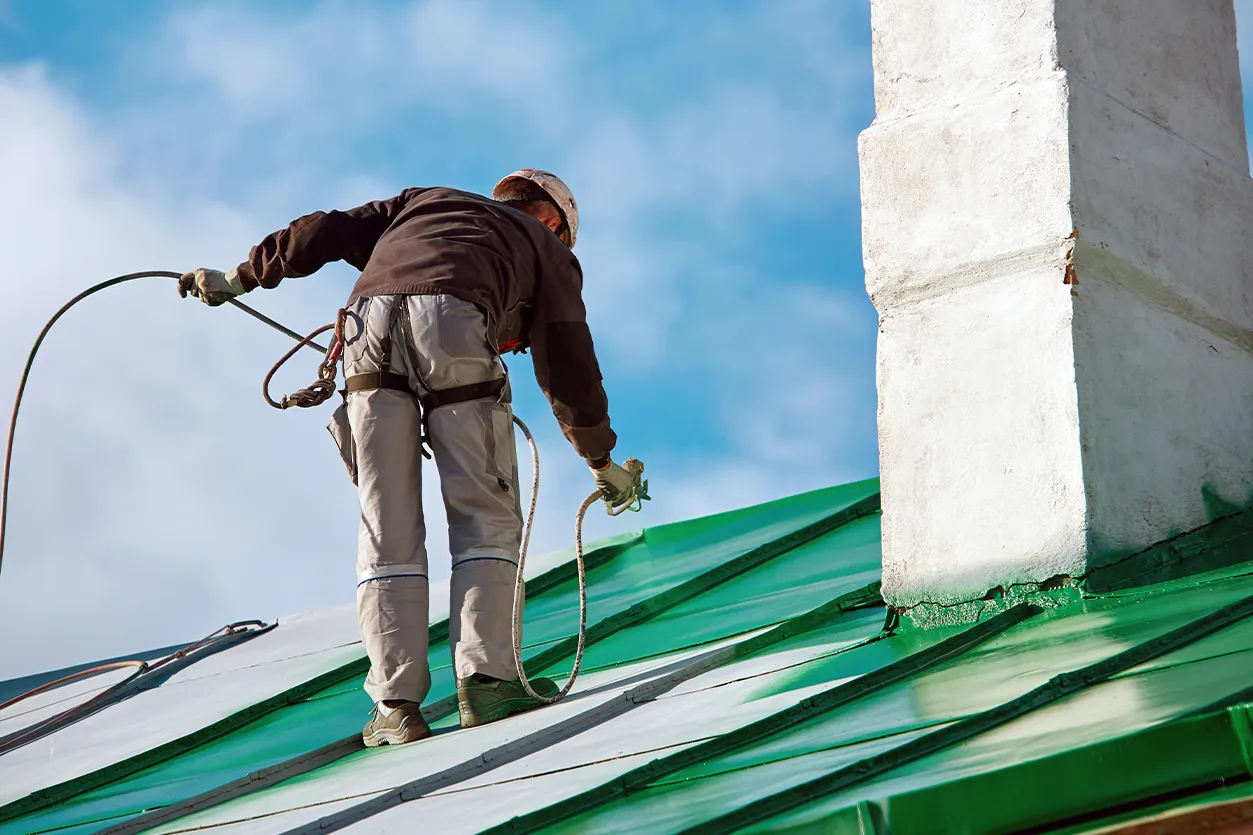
x,y
1058,236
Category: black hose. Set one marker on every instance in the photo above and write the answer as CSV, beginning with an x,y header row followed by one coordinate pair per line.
x,y
30,360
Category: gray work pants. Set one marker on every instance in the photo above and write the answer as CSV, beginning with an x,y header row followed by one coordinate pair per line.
x,y
442,343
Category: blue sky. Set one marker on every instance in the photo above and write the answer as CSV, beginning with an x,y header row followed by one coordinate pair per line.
x,y
712,148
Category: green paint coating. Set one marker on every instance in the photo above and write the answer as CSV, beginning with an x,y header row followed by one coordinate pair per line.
x,y
1242,727
1225,541
1062,592
626,575
1152,713
1059,687
651,607
1004,669
1082,784
803,712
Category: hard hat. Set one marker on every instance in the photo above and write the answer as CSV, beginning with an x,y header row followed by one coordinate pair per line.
x,y
552,185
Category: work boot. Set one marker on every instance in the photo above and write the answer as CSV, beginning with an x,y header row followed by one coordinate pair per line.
x,y
482,699
403,724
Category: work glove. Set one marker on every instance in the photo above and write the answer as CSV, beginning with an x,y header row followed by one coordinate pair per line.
x,y
616,484
213,287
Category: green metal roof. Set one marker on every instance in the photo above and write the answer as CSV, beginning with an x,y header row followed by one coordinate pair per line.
x,y
741,674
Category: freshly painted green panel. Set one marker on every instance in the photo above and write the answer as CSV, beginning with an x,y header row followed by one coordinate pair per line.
x,y
1183,761
845,559
1170,805
672,554
661,559
991,675
998,671
1116,743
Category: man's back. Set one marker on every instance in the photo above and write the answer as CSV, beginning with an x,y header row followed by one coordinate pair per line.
x,y
441,240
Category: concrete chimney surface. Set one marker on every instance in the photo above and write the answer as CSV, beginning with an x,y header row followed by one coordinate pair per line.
x,y
1174,62
1056,232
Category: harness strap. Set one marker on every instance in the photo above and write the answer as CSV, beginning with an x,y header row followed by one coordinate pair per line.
x,y
385,378
372,380
460,394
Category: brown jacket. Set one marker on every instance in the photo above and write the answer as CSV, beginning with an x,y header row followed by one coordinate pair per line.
x,y
438,240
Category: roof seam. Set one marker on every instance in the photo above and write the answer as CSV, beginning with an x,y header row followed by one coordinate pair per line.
x,y
803,711
52,795
1060,686
143,679
643,611
649,608
517,749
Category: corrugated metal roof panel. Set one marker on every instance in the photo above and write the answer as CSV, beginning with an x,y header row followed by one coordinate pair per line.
x,y
733,660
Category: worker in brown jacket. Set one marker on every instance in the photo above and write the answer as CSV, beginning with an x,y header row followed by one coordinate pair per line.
x,y
448,280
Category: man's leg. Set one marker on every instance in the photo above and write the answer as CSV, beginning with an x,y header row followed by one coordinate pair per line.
x,y
392,587
474,448
392,590
474,451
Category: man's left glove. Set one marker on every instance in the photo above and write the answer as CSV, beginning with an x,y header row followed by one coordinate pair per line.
x,y
616,484
213,287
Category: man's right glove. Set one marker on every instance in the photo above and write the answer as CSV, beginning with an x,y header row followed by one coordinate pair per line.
x,y
213,287
615,484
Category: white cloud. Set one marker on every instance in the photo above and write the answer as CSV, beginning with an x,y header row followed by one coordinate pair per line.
x,y
320,70
270,67
152,494
520,54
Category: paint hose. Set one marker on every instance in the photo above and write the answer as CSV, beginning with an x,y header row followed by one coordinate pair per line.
x,y
30,361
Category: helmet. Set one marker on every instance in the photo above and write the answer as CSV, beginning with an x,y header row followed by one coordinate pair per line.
x,y
516,183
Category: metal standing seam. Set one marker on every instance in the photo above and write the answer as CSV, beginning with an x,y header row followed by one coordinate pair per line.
x,y
266,777
1242,727
1059,687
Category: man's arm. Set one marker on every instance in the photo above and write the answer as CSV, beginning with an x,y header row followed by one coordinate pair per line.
x,y
315,240
565,364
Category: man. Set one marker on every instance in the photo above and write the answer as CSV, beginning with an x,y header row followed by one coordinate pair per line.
x,y
448,280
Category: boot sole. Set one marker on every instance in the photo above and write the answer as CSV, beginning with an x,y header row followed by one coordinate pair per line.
x,y
394,736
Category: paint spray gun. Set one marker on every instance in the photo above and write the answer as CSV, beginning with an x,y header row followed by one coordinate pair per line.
x,y
636,493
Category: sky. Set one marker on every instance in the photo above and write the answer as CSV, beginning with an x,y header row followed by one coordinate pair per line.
x,y
711,147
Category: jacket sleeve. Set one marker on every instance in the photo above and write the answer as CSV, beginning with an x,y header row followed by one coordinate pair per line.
x,y
315,240
565,363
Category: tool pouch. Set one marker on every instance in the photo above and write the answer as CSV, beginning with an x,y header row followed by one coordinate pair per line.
x,y
340,431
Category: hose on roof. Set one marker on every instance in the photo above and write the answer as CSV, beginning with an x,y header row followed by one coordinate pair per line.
x,y
519,589
141,666
146,676
30,361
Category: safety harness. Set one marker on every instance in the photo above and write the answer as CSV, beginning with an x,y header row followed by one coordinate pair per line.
x,y
429,399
